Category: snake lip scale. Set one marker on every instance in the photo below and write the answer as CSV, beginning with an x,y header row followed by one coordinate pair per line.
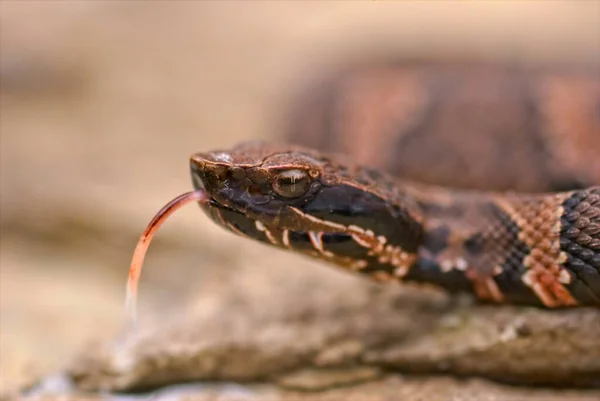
x,y
532,249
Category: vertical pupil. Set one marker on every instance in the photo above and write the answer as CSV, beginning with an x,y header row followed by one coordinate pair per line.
x,y
291,183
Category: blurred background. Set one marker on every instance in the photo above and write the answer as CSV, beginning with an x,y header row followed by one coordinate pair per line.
x,y
103,102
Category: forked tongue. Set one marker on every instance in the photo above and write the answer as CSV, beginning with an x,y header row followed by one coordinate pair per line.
x,y
135,270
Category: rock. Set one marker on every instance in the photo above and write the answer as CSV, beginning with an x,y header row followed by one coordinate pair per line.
x,y
310,317
392,387
321,379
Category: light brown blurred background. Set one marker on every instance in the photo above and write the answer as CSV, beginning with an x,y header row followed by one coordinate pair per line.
x,y
103,102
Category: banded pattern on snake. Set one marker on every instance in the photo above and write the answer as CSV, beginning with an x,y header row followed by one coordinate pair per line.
x,y
469,177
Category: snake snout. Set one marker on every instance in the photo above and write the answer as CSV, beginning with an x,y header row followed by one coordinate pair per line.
x,y
208,174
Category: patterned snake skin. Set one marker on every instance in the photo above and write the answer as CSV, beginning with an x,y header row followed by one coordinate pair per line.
x,y
469,177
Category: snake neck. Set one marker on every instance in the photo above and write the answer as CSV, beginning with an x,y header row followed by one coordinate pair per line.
x,y
528,249
470,243
451,243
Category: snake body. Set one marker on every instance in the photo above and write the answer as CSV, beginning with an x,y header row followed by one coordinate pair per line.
x,y
467,230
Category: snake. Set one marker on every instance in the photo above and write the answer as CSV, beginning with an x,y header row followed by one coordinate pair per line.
x,y
469,177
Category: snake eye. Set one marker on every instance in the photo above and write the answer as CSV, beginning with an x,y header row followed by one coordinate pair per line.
x,y
291,183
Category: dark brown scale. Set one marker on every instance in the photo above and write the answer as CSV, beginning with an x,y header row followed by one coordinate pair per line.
x,y
591,228
509,280
436,240
580,240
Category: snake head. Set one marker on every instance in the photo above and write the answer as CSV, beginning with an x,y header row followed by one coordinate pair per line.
x,y
255,181
300,199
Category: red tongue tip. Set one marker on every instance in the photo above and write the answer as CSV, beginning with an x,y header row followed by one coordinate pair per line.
x,y
135,270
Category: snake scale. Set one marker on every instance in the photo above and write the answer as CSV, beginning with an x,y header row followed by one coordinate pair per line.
x,y
469,177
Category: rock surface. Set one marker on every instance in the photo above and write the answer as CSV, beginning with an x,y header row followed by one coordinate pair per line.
x,y
309,321
391,388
